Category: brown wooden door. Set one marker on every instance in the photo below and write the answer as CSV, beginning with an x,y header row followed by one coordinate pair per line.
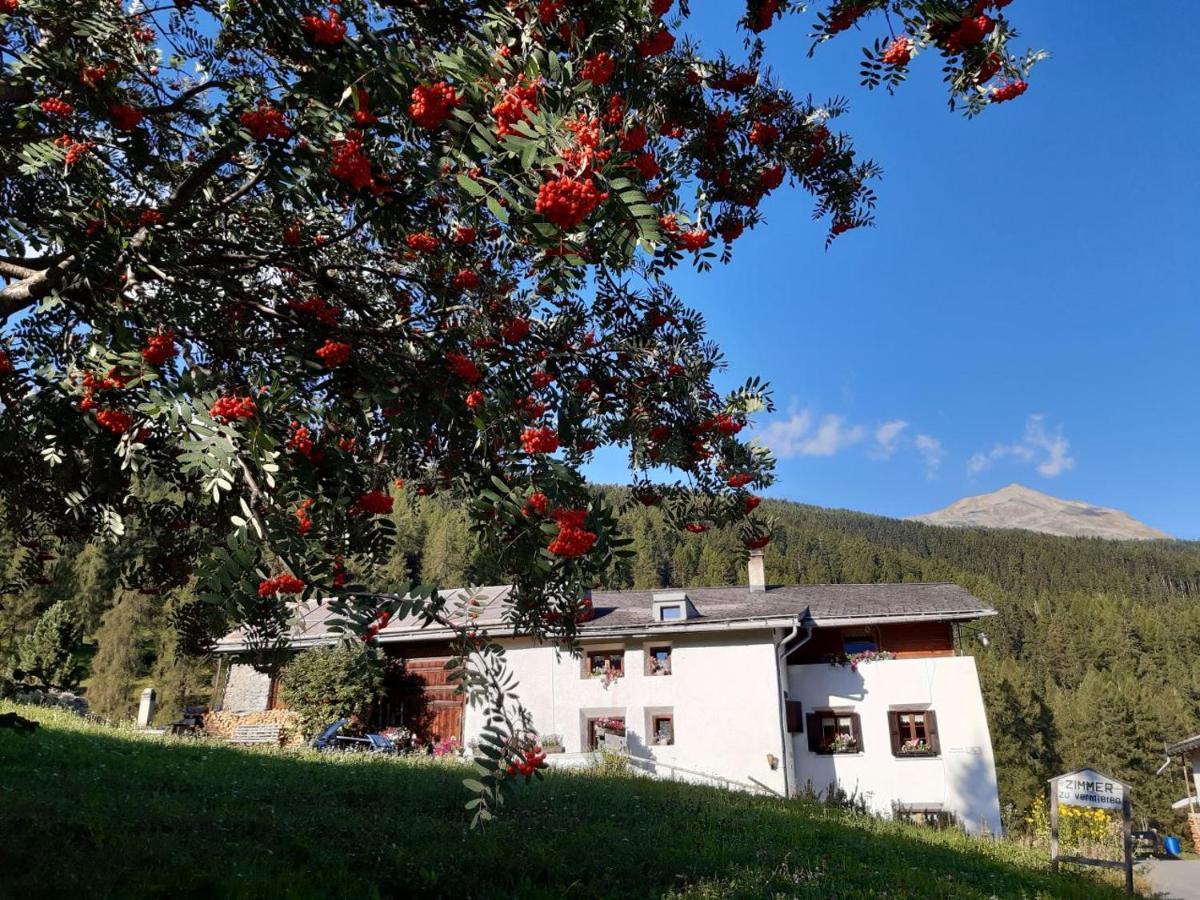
x,y
441,710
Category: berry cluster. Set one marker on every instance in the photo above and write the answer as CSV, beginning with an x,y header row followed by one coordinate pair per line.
x,y
539,440
696,239
266,122
381,620
159,349
898,53
538,503
475,399
125,117
333,353
465,280
351,165
763,134
303,522
57,106
970,31
572,539
462,367
1009,91
280,584
230,409
432,103
529,762
375,503
325,32
115,420
422,242
598,69
515,330
513,107
318,308
750,504
567,201
301,441
741,479
656,45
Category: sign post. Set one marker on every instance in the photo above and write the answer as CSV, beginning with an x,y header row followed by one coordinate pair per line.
x,y
1089,788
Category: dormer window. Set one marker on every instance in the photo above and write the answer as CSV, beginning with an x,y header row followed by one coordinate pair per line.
x,y
672,606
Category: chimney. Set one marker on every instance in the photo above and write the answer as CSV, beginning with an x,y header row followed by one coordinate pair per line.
x,y
758,572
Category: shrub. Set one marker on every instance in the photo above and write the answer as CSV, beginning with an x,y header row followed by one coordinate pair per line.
x,y
330,683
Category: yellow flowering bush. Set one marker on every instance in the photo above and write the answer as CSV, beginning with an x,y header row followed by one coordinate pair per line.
x,y
1094,832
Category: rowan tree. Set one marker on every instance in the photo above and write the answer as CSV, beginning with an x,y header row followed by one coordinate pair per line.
x,y
283,263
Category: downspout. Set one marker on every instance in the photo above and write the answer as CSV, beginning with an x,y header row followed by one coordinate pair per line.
x,y
782,649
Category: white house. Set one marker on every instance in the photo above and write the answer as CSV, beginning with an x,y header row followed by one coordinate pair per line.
x,y
787,689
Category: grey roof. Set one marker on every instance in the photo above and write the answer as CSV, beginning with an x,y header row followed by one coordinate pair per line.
x,y
818,604
1187,745
617,611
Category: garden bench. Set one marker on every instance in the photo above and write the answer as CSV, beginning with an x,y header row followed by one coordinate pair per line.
x,y
257,734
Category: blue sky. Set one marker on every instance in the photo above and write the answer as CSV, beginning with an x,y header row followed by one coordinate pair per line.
x,y
1024,305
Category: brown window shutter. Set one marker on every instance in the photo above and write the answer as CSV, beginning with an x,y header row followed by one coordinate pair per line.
x,y
814,732
856,726
894,728
795,716
931,731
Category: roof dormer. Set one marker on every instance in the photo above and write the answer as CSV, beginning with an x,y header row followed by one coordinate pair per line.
x,y
673,606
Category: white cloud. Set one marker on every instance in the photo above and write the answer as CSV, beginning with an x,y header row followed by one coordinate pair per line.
x,y
1050,451
795,435
931,451
887,437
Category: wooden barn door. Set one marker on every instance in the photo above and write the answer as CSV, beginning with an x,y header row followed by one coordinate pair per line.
x,y
442,714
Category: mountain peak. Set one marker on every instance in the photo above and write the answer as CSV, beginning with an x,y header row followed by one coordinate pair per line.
x,y
1018,506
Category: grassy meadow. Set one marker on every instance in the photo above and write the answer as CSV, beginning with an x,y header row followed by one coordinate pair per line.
x,y
88,810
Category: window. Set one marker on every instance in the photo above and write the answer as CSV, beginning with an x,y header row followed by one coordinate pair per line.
x,y
608,664
658,661
670,613
858,642
606,732
834,731
662,730
914,732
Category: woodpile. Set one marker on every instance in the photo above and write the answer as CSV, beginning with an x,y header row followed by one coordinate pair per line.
x,y
223,724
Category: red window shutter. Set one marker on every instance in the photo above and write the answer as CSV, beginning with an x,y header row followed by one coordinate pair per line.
x,y
795,716
931,734
856,727
813,725
894,728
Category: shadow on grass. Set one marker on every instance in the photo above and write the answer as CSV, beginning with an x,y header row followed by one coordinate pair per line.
x,y
95,813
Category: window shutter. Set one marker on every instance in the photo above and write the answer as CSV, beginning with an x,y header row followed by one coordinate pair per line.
x,y
894,727
931,731
795,716
856,725
814,732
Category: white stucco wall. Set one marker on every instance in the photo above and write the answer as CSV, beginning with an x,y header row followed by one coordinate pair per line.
x,y
961,779
722,692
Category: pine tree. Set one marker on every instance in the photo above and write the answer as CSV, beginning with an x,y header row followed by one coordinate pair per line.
x,y
48,652
119,659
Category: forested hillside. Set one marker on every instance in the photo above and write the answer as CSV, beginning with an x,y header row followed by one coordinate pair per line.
x,y
1094,658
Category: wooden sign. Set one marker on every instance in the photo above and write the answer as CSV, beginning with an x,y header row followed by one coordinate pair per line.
x,y
1087,787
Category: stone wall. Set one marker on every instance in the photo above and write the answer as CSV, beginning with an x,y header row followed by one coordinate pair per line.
x,y
246,690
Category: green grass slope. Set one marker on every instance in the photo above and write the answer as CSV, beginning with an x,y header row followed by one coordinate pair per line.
x,y
88,810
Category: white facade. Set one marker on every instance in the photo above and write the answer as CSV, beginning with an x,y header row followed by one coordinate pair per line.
x,y
960,779
720,695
